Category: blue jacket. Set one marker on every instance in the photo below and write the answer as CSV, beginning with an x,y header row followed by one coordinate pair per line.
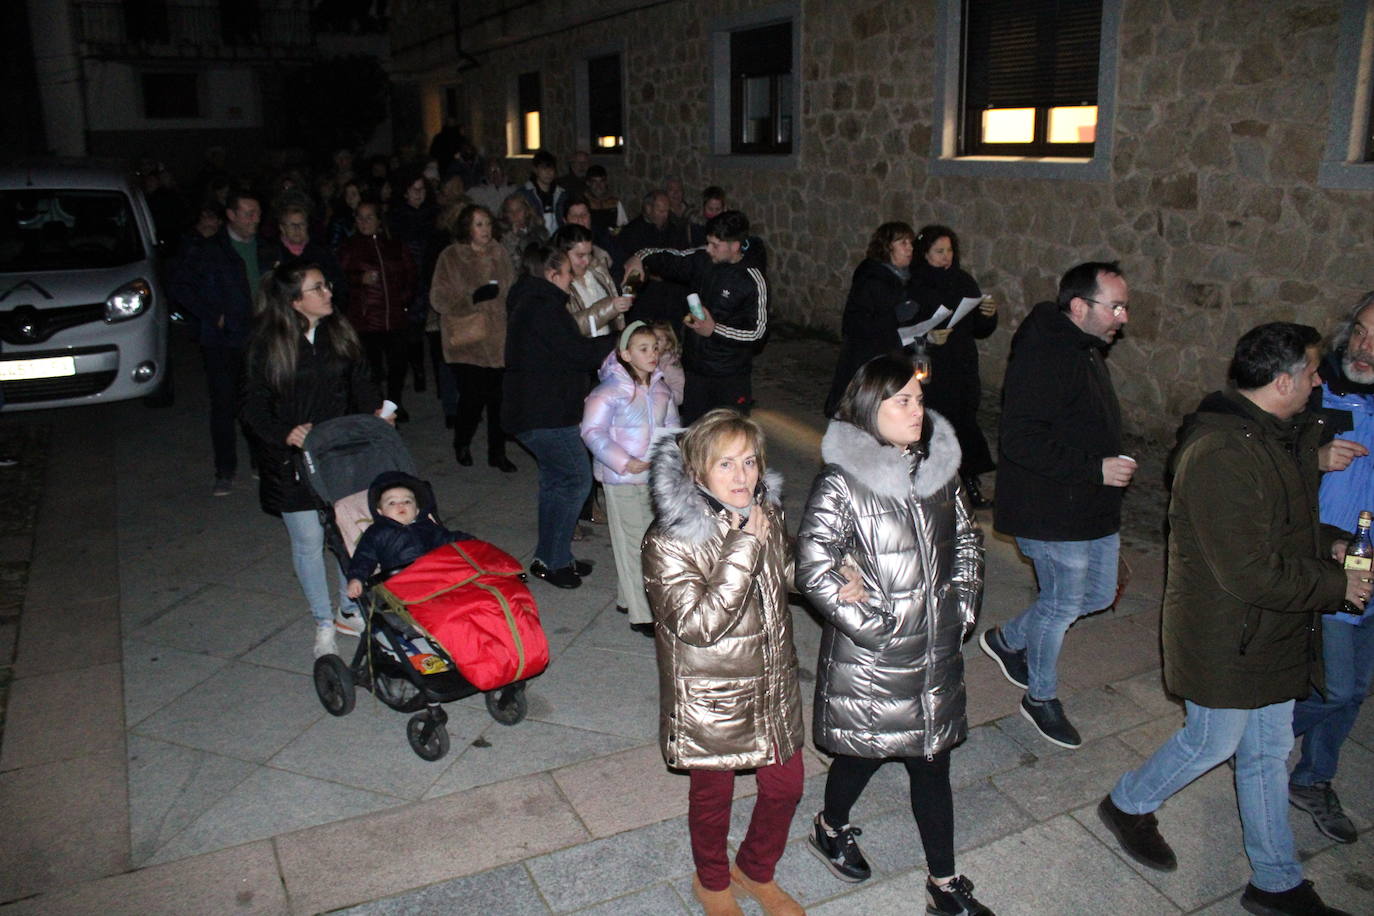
x,y
211,280
1349,408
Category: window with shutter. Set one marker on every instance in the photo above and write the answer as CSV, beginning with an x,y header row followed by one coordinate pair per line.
x,y
1030,77
761,90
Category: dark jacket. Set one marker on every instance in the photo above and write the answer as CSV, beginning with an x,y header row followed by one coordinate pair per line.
x,y
383,307
211,280
736,295
869,325
413,227
955,362
549,364
316,253
324,387
1249,567
1060,418
388,545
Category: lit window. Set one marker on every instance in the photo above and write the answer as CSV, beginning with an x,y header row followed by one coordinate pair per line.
x,y
1030,77
530,95
605,109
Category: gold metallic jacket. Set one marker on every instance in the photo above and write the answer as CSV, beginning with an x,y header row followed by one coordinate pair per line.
x,y
729,698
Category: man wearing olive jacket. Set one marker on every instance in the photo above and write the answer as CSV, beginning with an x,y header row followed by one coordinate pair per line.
x,y
1251,570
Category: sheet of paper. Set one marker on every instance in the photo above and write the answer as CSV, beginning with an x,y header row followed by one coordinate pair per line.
x,y
965,306
921,329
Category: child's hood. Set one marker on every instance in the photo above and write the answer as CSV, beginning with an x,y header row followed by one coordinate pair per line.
x,y
424,493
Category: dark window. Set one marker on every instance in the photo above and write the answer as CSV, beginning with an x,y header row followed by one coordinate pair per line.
x,y
1030,77
239,21
451,102
1369,132
44,229
145,21
605,110
530,93
761,90
171,95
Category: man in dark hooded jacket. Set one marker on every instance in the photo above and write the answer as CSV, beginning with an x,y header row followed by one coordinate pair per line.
x,y
1060,479
1251,570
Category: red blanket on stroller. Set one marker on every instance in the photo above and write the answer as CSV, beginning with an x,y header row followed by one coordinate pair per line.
x,y
469,596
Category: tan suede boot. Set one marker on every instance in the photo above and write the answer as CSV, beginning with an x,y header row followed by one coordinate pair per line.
x,y
715,903
774,900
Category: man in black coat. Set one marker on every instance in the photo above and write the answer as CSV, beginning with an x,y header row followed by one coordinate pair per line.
x,y
1060,479
718,356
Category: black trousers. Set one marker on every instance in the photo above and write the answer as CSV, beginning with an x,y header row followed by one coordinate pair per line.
x,y
388,354
224,378
478,388
932,801
707,392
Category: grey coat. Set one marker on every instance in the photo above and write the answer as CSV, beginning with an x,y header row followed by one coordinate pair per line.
x,y
890,681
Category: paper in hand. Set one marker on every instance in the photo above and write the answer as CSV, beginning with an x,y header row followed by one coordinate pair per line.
x,y
921,329
966,305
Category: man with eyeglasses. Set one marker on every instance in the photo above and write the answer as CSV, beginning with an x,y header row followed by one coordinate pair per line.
x,y
1060,478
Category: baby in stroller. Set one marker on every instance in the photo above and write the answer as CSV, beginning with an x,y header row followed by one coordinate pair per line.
x,y
403,528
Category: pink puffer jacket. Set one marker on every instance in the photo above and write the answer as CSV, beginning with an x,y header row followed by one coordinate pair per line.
x,y
619,421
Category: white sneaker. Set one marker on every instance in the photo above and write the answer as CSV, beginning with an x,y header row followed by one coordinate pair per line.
x,y
349,622
324,642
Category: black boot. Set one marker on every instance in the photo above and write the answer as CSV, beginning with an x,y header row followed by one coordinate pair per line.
x,y
976,498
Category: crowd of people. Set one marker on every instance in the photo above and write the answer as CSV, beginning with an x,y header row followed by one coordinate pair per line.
x,y
592,341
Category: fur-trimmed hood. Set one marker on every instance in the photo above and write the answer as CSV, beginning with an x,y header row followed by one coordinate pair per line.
x,y
887,471
680,506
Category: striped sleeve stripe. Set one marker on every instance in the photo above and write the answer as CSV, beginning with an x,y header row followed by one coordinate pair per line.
x,y
762,324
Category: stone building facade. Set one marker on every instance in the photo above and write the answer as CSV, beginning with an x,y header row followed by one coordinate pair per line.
x,y
1213,197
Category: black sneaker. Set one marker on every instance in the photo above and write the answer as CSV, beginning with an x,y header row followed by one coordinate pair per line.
x,y
1296,901
564,577
955,900
1011,661
1048,718
1320,801
223,486
1139,835
839,851
583,567
643,629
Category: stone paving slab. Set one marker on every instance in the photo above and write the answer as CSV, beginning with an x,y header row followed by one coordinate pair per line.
x,y
1062,782
170,786
222,621
59,716
240,880
505,891
350,862
591,873
156,675
54,635
65,822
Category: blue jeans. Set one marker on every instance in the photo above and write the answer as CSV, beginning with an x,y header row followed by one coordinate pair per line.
x,y
1260,739
1348,655
565,479
307,556
1076,578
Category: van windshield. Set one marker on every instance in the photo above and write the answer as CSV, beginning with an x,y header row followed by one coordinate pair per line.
x,y
66,230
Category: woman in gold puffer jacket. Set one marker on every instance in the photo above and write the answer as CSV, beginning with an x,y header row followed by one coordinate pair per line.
x,y
717,567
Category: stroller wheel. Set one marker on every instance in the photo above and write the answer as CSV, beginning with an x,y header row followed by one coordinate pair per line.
x,y
397,692
334,684
508,705
431,746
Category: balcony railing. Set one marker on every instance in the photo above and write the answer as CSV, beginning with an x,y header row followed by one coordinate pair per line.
x,y
166,28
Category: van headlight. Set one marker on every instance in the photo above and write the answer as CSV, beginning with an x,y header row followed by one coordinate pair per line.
x,y
130,300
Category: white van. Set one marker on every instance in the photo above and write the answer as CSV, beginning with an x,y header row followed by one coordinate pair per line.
x,y
83,318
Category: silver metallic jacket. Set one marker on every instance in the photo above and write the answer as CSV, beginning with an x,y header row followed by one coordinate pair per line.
x,y
729,698
890,681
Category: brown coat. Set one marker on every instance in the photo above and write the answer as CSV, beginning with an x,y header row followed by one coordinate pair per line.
x,y
729,697
460,270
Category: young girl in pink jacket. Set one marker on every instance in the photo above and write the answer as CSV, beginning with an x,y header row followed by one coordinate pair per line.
x,y
620,419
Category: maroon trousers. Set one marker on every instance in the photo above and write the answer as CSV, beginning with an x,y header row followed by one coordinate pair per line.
x,y
708,821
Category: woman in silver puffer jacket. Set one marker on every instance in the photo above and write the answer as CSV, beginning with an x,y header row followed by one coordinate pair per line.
x,y
890,681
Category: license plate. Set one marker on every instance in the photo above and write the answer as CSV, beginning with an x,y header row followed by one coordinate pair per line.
x,y
13,370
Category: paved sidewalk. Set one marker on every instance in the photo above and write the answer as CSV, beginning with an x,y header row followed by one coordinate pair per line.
x,y
164,750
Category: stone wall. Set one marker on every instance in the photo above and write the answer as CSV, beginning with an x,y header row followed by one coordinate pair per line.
x,y
1212,206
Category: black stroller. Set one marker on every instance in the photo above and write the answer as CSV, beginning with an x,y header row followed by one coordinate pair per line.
x,y
403,666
